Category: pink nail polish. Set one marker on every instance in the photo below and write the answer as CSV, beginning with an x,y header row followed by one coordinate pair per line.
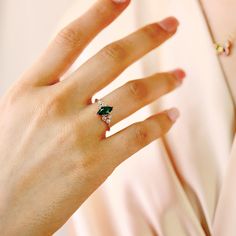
x,y
179,75
169,24
173,114
119,1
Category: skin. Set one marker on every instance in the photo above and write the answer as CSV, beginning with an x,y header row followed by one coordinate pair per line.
x,y
54,152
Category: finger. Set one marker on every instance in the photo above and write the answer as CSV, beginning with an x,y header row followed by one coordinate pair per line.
x,y
73,38
136,94
136,136
107,64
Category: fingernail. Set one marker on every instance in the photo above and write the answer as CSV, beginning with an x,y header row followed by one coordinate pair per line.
x,y
169,24
119,1
173,114
179,75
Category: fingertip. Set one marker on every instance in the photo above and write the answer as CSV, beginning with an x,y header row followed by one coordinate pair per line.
x,y
119,5
169,24
179,75
120,1
173,114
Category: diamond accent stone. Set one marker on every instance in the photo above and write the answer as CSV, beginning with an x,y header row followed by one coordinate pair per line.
x,y
104,111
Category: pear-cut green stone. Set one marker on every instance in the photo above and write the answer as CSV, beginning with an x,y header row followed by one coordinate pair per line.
x,y
105,110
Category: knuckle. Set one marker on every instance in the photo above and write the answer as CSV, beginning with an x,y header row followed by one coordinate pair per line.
x,y
116,51
69,37
151,31
159,127
137,89
170,83
53,107
101,13
141,134
16,92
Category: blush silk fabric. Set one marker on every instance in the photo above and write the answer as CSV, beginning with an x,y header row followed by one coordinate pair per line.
x,y
182,184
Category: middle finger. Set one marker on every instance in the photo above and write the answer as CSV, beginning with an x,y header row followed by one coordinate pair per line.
x,y
107,64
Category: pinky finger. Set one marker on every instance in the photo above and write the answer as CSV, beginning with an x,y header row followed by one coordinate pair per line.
x,y
128,141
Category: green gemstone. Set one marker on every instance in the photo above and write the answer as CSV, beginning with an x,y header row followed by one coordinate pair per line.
x,y
105,110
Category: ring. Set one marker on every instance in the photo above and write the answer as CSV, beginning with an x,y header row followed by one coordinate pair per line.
x,y
104,111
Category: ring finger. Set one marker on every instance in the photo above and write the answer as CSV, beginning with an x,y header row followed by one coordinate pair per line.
x,y
135,94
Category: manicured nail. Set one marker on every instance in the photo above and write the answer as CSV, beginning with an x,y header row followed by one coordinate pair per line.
x,y
179,75
173,114
119,1
169,24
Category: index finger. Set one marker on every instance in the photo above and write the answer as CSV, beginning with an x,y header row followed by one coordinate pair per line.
x,y
72,39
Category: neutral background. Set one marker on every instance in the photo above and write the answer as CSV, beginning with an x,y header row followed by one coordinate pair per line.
x,y
25,29
179,190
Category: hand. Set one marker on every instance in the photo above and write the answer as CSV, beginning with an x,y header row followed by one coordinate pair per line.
x,y
53,148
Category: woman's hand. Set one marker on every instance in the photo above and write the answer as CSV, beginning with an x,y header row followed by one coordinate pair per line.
x,y
53,148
